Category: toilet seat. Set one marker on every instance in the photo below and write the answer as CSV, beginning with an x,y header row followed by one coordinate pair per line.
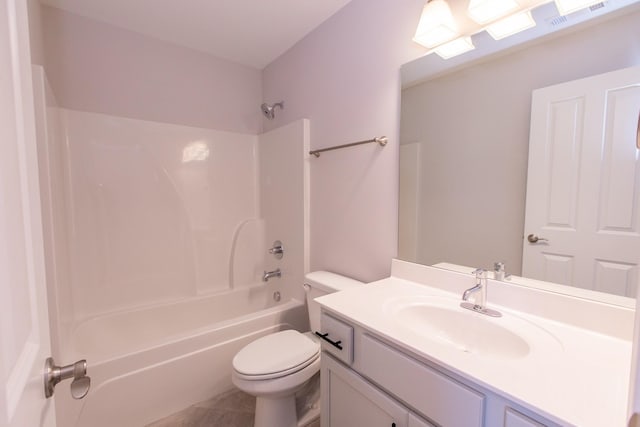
x,y
276,355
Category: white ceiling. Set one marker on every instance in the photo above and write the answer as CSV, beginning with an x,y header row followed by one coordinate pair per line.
x,y
250,32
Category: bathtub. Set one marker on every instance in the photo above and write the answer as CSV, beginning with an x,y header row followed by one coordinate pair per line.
x,y
148,363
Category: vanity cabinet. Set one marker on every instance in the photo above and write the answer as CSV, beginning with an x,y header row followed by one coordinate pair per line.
x,y
350,400
437,396
373,383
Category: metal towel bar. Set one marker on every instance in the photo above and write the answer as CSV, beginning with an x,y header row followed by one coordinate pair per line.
x,y
382,140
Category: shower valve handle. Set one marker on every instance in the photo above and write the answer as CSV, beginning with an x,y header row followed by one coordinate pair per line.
x,y
277,250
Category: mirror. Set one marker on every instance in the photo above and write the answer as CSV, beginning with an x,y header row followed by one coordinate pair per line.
x,y
465,143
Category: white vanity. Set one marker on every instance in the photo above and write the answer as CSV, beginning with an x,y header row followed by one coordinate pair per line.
x,y
401,352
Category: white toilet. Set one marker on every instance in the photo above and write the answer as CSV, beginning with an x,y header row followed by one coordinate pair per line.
x,y
273,368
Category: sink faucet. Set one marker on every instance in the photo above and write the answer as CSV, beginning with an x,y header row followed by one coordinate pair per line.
x,y
481,286
480,304
269,274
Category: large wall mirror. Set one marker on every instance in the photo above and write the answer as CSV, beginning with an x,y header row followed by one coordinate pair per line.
x,y
465,150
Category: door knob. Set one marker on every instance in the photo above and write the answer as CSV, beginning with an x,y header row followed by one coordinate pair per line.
x,y
54,374
532,238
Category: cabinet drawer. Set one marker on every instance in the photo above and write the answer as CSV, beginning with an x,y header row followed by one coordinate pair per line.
x,y
337,338
436,396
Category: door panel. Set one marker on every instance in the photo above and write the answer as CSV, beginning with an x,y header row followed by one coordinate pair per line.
x,y
24,329
583,185
618,205
565,143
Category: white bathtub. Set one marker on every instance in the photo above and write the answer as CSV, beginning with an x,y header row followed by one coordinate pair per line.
x,y
148,363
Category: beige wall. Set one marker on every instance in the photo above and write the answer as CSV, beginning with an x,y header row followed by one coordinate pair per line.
x,y
96,67
345,77
474,129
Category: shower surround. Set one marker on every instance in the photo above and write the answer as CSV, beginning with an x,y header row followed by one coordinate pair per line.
x,y
156,238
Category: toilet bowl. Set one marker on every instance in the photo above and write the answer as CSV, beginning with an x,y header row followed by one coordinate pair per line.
x,y
274,367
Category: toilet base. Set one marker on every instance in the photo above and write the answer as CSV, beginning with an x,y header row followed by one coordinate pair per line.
x,y
276,412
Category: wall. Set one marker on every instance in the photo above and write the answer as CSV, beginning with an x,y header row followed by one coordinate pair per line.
x,y
344,77
473,177
100,68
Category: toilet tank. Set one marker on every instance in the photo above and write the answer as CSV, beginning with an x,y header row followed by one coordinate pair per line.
x,y
319,283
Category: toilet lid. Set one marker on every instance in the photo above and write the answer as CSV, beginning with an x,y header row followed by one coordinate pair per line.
x,y
276,353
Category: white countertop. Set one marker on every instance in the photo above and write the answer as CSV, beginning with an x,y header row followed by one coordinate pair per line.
x,y
581,379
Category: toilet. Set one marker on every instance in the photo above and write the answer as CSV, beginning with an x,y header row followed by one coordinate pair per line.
x,y
274,367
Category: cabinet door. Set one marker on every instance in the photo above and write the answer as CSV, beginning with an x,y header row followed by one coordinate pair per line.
x,y
416,421
348,400
513,418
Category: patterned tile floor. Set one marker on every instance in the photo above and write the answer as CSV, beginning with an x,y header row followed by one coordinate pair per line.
x,y
231,409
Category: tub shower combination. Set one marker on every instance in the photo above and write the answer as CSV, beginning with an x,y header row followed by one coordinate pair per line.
x,y
156,240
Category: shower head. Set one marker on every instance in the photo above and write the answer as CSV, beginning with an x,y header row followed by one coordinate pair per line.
x,y
268,110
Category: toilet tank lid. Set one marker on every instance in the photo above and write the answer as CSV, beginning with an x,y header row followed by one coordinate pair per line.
x,y
330,282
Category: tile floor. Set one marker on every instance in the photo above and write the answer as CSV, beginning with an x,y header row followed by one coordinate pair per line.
x,y
231,409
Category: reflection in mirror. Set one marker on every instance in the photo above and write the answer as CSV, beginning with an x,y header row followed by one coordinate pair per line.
x,y
465,145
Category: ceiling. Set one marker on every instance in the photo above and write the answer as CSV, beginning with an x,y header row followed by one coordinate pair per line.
x,y
249,32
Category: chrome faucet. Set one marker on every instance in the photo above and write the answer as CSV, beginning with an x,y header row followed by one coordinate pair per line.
x,y
481,286
480,304
269,274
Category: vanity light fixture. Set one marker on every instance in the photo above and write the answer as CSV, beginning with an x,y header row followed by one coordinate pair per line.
x,y
484,11
455,47
566,7
436,25
448,35
511,25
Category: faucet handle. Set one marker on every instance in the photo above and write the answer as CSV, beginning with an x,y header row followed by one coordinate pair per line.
x,y
499,271
479,272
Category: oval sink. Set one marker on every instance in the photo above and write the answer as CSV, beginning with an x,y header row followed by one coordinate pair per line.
x,y
442,320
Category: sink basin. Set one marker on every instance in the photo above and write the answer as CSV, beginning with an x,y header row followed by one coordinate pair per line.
x,y
443,321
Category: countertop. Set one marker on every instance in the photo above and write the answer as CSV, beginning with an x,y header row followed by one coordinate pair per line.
x,y
578,377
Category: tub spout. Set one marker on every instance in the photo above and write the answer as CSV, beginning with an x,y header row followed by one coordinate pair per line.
x,y
269,274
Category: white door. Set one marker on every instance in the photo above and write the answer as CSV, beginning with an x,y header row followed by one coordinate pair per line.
x,y
24,329
583,185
